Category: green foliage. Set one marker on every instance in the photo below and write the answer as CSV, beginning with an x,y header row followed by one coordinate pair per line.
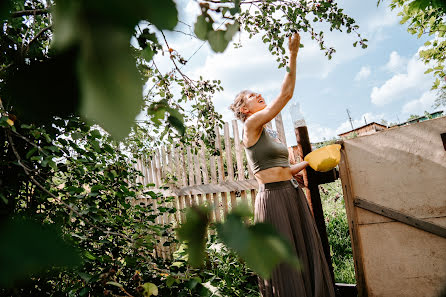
x,y
251,243
22,240
73,176
92,45
338,233
223,274
427,17
78,64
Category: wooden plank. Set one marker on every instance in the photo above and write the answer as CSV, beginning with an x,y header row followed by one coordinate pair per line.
x,y
243,196
217,209
213,170
280,129
238,151
150,171
228,150
210,204
400,217
303,142
163,162
352,225
227,186
158,167
182,166
233,200
253,199
155,172
224,202
204,168
221,172
197,169
191,167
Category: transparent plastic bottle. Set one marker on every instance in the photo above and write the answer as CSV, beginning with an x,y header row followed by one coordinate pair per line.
x,y
296,115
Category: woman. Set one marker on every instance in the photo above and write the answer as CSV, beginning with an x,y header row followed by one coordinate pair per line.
x,y
279,201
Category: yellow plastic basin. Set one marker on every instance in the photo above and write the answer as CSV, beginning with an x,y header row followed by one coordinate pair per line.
x,y
325,158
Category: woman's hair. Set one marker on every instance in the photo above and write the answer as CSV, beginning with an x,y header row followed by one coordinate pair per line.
x,y
239,101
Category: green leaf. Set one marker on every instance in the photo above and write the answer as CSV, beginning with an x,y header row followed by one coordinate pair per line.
x,y
231,29
89,255
170,281
110,85
31,152
115,284
194,233
217,41
95,134
254,242
150,289
28,247
202,27
162,13
66,30
147,53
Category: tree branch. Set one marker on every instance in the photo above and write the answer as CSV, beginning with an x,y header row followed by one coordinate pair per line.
x,y
29,12
38,35
72,209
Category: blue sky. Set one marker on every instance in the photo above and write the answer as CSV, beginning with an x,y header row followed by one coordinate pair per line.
x,y
384,81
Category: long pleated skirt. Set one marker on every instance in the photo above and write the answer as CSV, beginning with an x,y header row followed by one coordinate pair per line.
x,y
286,208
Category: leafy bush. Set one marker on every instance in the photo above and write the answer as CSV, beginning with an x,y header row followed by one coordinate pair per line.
x,y
338,233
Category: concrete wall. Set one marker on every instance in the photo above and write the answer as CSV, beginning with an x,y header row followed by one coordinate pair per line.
x,y
403,169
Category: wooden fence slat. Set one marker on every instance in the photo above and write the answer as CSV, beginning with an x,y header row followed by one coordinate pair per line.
x,y
163,162
238,151
149,170
191,167
213,170
228,149
182,166
158,167
280,129
253,198
217,209
197,169
155,172
204,168
233,200
221,170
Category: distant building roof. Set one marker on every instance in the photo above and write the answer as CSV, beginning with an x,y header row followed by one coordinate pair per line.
x,y
359,128
422,118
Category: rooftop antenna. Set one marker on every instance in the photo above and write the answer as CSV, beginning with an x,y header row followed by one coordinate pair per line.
x,y
350,119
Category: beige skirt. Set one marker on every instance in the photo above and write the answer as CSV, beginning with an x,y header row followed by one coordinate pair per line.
x,y
286,208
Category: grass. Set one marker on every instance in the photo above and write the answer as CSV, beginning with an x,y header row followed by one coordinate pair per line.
x,y
337,230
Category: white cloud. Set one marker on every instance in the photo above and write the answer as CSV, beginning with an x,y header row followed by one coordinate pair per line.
x,y
381,19
418,106
363,73
402,84
396,63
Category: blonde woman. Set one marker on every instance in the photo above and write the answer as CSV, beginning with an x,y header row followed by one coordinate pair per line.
x,y
280,201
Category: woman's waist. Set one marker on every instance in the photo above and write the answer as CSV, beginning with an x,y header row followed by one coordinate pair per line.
x,y
274,174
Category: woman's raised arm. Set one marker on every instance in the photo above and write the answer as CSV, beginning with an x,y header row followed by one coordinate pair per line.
x,y
258,119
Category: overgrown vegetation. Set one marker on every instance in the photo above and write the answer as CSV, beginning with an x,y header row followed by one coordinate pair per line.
x,y
337,231
71,86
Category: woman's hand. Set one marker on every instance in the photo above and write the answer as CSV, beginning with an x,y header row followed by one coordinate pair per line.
x,y
294,43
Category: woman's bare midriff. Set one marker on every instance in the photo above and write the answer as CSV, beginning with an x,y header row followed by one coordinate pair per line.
x,y
274,174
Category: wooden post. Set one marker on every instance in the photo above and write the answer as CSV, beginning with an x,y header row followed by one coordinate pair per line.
x,y
280,129
313,196
221,170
